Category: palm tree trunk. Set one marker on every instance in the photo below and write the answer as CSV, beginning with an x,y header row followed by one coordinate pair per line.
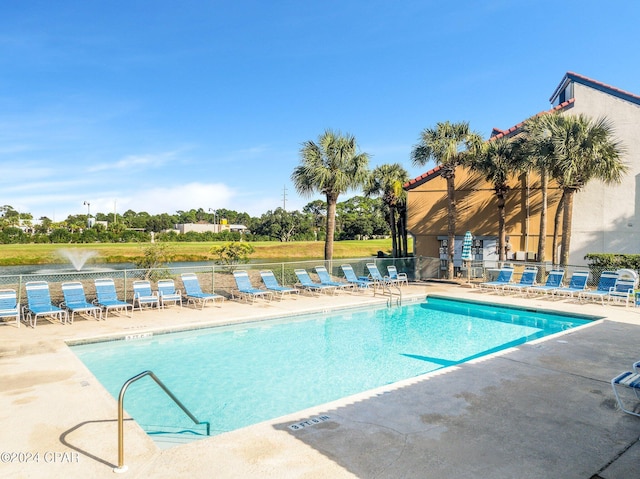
x,y
332,201
543,215
405,240
556,230
567,216
502,235
452,212
394,232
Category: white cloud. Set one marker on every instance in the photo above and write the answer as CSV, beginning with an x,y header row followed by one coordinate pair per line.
x,y
136,161
179,197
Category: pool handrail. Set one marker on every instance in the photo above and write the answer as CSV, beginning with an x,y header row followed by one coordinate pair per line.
x,y
121,467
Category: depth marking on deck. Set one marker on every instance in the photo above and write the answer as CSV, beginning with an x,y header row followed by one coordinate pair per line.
x,y
309,422
133,337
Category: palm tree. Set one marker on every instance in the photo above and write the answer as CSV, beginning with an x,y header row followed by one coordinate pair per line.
x,y
447,145
331,167
584,150
537,147
497,161
387,181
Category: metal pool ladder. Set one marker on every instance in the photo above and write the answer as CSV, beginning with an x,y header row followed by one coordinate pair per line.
x,y
121,467
387,290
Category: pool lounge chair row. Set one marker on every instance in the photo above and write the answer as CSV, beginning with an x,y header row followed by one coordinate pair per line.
x,y
40,305
611,286
329,285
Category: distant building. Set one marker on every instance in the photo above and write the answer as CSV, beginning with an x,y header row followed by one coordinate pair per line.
x,y
208,227
606,218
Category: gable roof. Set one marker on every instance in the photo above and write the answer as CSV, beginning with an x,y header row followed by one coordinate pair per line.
x,y
596,85
495,134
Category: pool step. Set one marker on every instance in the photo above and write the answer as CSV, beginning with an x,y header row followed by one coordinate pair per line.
x,y
169,436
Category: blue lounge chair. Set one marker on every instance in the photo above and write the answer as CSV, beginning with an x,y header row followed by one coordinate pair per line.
x,y
629,380
577,284
9,307
377,277
306,283
325,278
554,281
622,290
527,280
143,296
394,276
39,304
351,277
75,301
107,297
606,282
167,293
271,283
193,292
504,277
246,290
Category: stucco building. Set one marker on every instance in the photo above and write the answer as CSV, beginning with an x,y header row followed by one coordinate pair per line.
x,y
605,217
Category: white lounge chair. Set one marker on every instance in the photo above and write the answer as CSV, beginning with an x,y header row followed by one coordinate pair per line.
x,y
307,284
395,276
246,290
75,301
577,285
193,292
504,278
629,380
9,307
622,290
39,304
107,297
606,282
271,283
351,277
554,281
527,280
167,293
143,296
325,278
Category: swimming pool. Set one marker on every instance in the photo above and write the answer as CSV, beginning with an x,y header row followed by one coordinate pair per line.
x,y
235,376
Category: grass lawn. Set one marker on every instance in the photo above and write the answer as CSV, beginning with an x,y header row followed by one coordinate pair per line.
x,y
26,254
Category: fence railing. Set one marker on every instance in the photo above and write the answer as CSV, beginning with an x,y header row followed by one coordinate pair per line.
x,y
218,278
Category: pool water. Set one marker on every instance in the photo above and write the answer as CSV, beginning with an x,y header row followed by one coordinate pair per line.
x,y
235,376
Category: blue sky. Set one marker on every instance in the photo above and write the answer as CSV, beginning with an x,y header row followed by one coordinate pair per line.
x,y
161,106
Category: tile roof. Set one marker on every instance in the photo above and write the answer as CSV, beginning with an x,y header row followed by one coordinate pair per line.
x,y
568,77
516,128
596,85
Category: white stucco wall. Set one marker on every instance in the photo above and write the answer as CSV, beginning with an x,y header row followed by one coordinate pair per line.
x,y
606,217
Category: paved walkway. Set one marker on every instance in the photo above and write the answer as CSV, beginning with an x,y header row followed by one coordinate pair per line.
x,y
543,409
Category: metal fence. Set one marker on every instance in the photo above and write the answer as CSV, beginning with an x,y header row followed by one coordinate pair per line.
x,y
219,278
214,277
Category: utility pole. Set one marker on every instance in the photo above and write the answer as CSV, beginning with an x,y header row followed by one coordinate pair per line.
x,y
284,198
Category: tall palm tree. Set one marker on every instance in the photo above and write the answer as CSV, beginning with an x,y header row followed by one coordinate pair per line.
x,y
536,145
387,181
447,144
330,167
584,150
498,160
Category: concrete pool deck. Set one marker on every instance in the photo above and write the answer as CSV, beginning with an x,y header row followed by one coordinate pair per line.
x,y
543,409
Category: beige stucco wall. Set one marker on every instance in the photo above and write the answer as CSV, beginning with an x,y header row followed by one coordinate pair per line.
x,y
605,217
478,212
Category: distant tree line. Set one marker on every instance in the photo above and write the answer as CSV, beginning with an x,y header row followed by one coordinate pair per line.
x,y
359,217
